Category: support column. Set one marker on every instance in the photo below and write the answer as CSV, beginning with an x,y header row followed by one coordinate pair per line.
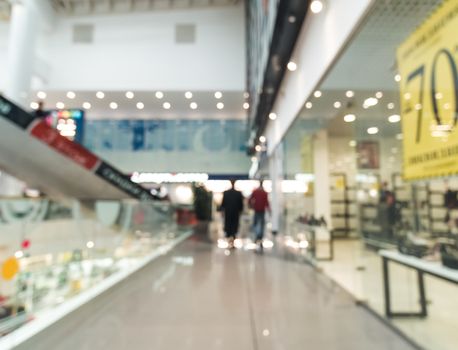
x,y
276,196
21,50
322,185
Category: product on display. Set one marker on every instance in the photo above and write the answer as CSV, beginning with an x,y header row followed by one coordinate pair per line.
x,y
449,255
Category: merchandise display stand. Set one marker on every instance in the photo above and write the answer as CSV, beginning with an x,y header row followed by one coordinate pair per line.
x,y
422,267
320,234
343,205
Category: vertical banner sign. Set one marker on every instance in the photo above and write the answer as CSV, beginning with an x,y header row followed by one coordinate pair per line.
x,y
428,64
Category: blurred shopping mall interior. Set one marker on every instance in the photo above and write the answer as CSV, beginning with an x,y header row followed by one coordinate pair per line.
x,y
132,133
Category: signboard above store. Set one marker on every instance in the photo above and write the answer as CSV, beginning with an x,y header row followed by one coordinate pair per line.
x,y
428,65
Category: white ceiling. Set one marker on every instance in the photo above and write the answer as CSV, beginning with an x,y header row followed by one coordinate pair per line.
x,y
153,107
367,66
91,7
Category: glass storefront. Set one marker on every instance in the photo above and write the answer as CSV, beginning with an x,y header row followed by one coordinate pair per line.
x,y
387,112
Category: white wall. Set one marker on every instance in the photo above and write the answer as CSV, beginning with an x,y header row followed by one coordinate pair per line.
x,y
138,51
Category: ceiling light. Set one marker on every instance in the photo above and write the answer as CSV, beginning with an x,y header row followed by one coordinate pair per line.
x,y
262,139
60,105
349,118
272,116
166,105
370,102
188,94
113,105
292,19
317,94
397,78
246,94
246,105
399,136
34,105
379,94
100,95
193,105
337,104
439,96
447,106
220,105
41,94
159,94
418,106
71,95
309,105
86,105
316,6
90,244
390,105
258,148
407,96
130,95
218,94
349,94
292,66
140,105
352,143
372,130
395,118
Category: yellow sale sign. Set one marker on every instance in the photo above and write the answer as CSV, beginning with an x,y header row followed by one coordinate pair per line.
x,y
428,65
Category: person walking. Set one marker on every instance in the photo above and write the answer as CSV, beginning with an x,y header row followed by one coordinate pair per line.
x,y
232,207
259,202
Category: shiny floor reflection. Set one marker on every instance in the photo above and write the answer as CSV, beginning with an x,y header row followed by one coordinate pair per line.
x,y
202,297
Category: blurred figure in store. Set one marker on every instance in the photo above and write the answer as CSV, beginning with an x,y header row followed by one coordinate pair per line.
x,y
259,202
40,113
232,207
387,210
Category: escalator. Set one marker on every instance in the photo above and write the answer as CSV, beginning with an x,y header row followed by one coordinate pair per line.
x,y
36,153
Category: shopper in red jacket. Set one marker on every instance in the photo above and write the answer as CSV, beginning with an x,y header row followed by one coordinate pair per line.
x,y
259,202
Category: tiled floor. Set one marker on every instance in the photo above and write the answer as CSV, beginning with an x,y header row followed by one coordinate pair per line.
x,y
198,297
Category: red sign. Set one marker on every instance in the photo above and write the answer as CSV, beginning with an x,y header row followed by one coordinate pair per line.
x,y
75,151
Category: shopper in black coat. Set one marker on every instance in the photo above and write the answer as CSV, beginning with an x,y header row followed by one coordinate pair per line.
x,y
232,207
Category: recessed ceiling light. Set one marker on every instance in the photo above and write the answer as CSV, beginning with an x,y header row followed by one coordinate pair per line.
x,y
447,106
399,136
258,148
407,96
352,143
397,78
418,106
130,95
34,105
193,105
439,95
349,118
272,116
159,94
372,130
86,105
370,102
292,19
60,105
220,105
246,105
262,139
188,94
379,94
390,105
71,95
349,94
309,105
246,94
395,118
292,66
113,105
41,94
100,95
140,105
337,104
218,94
166,105
316,6
317,94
